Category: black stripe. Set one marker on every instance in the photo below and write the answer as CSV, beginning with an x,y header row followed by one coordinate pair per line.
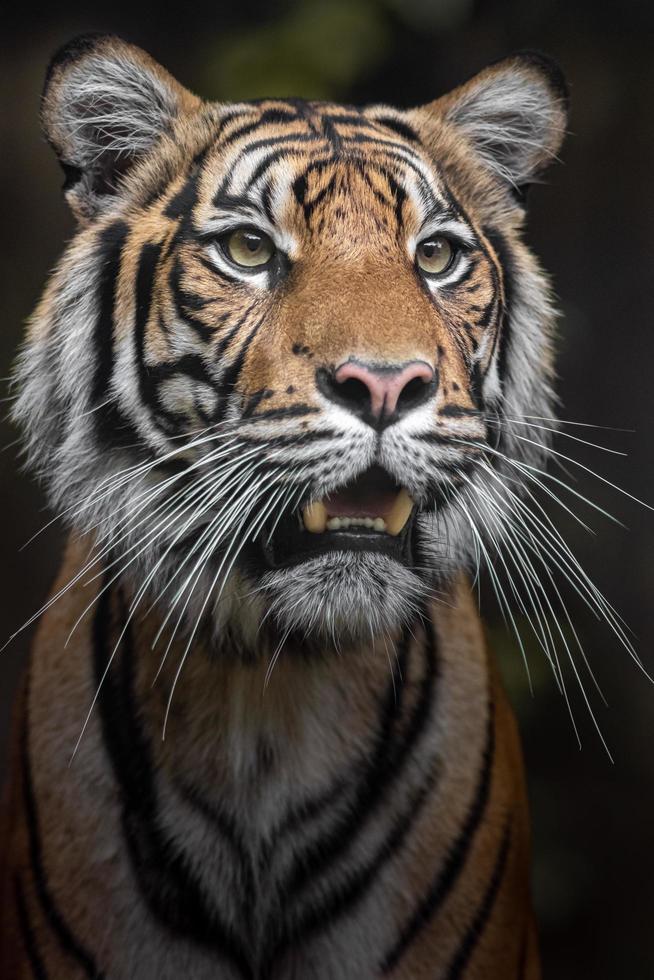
x,y
254,400
469,272
184,303
147,269
477,377
27,933
303,813
391,151
343,896
399,196
68,942
220,274
225,201
112,240
392,145
449,872
347,119
226,827
278,114
487,314
165,877
151,376
229,379
505,259
452,410
269,143
218,818
264,119
401,128
380,773
300,439
478,924
331,134
265,165
226,341
321,195
186,300
291,411
111,426
183,202
301,183
383,772
310,808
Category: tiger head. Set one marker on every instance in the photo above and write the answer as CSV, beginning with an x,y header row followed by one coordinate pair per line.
x,y
279,363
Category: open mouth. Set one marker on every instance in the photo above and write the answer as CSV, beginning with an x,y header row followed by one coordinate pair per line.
x,y
371,513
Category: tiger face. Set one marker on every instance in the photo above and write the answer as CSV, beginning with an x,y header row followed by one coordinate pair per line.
x,y
275,361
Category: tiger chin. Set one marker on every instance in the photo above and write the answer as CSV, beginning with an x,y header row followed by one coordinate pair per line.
x,y
273,388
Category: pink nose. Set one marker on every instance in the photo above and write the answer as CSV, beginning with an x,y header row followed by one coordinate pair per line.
x,y
386,389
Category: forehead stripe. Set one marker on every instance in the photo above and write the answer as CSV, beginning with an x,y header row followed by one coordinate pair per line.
x,y
271,143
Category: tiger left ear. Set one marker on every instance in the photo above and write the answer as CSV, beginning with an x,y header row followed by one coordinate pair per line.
x,y
106,103
513,114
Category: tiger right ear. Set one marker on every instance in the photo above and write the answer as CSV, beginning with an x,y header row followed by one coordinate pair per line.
x,y
512,115
105,103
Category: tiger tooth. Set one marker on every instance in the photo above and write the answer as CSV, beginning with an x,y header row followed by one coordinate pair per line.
x,y
399,513
315,517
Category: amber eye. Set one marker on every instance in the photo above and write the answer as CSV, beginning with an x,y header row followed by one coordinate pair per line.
x,y
435,255
248,247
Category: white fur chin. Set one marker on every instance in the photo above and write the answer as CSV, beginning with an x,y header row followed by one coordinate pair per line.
x,y
344,597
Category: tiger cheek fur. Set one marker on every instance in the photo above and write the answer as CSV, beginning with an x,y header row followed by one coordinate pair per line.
x,y
261,386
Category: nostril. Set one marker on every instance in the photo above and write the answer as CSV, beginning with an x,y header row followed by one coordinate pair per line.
x,y
412,393
355,392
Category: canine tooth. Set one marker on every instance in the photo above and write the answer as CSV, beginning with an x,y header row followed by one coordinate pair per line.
x,y
368,521
333,524
379,524
315,517
346,521
399,513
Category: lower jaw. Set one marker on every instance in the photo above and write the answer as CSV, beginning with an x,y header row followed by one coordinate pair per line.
x,y
291,544
342,599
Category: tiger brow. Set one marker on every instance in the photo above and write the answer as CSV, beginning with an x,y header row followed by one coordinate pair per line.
x,y
441,212
236,203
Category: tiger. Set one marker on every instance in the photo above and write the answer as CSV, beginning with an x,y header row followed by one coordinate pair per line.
x,y
268,390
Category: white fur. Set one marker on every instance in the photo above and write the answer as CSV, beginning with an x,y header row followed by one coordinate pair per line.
x,y
510,121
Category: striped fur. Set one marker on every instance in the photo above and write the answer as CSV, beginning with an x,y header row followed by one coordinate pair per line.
x,y
339,792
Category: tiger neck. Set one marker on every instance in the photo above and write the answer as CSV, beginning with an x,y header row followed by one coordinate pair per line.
x,y
259,743
267,811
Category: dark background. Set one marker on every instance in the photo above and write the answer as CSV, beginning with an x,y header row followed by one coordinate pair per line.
x,y
592,226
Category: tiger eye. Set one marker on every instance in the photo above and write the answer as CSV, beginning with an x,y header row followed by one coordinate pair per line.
x,y
249,248
435,255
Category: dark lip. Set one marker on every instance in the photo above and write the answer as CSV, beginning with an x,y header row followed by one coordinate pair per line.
x,y
291,544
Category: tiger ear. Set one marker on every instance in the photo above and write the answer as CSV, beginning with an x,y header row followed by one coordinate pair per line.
x,y
105,103
513,114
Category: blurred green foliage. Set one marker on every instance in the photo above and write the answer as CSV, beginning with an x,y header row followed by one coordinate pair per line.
x,y
315,52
